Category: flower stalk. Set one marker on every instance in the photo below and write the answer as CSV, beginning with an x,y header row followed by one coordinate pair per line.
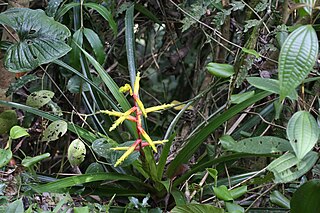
x,y
134,114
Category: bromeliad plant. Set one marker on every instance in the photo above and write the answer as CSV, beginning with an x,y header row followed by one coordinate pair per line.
x,y
139,110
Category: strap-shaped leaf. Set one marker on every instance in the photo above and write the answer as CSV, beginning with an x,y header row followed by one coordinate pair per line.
x,y
96,44
297,57
303,133
256,145
41,39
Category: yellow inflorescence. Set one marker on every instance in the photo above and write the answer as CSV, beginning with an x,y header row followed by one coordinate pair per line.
x,y
138,110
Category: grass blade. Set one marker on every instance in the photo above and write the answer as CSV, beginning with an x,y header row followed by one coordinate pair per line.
x,y
81,179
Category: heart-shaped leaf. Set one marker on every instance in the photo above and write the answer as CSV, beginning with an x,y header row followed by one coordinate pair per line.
x,y
55,130
18,132
41,39
297,57
303,133
76,152
40,98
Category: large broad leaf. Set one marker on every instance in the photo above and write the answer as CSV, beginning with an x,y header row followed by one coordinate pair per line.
x,y
309,5
41,39
196,208
303,133
15,207
306,198
256,145
297,57
289,168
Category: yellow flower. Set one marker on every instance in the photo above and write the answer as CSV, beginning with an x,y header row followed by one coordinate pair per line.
x,y
125,156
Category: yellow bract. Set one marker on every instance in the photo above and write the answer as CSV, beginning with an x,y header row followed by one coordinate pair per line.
x,y
125,156
158,108
137,84
122,118
148,139
126,88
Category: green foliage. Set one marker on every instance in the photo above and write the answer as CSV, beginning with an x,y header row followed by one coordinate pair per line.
x,y
306,198
279,199
76,152
6,156
41,39
22,81
256,145
303,133
55,130
15,207
28,162
297,57
220,70
288,167
271,85
172,46
39,98
8,119
196,208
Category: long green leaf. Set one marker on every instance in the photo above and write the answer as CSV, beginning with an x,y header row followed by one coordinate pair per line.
x,y
106,14
130,44
196,140
114,89
85,134
64,9
96,44
81,179
209,163
95,86
297,57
